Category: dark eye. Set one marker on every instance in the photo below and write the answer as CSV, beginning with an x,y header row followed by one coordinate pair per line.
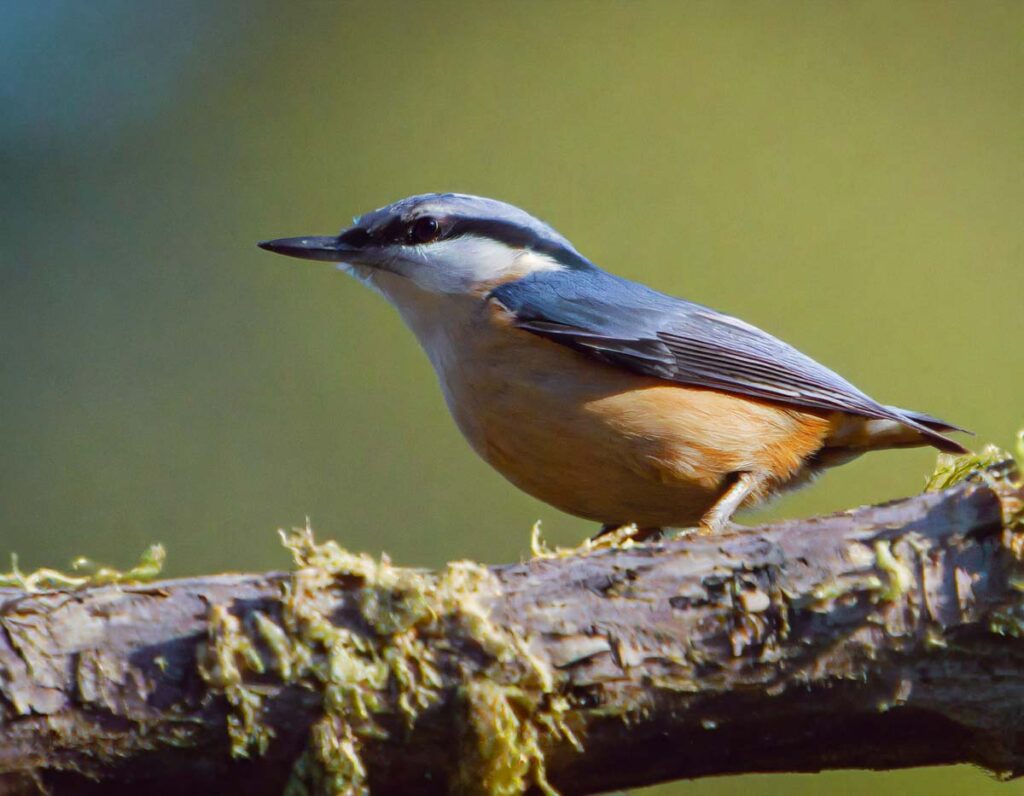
x,y
424,230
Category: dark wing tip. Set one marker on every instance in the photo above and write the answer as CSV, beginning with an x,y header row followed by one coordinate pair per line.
x,y
928,421
945,444
934,430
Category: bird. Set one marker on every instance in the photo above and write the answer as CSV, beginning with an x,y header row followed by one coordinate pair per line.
x,y
598,395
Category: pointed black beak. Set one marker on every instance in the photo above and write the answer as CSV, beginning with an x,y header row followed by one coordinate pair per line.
x,y
320,247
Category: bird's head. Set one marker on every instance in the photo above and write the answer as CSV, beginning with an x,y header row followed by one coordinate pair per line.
x,y
449,244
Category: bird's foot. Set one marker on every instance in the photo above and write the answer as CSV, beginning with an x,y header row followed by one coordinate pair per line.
x,y
612,535
704,529
714,528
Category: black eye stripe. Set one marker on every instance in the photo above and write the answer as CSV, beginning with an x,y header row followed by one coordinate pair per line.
x,y
356,237
398,229
395,231
511,234
516,236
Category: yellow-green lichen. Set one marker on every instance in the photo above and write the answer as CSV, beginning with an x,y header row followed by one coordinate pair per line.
x,y
621,538
93,574
503,755
220,665
894,580
822,595
282,652
952,469
898,577
1000,471
1007,623
389,658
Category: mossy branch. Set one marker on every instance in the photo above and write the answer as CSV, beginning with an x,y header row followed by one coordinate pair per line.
x,y
878,638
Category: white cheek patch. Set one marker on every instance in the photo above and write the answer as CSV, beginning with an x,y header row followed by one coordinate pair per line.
x,y
455,266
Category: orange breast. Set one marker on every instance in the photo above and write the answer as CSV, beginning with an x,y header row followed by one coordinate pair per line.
x,y
606,444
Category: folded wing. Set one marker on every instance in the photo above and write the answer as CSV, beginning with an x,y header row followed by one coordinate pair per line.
x,y
634,327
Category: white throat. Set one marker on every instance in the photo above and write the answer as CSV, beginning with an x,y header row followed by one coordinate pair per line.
x,y
437,287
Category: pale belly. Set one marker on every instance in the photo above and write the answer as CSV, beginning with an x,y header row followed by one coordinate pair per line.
x,y
602,443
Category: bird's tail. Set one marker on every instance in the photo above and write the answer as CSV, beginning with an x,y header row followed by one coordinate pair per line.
x,y
853,435
931,430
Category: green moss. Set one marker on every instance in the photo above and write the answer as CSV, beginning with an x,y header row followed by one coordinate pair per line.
x,y
503,755
898,577
150,564
951,469
1001,472
620,538
388,660
822,595
893,581
1007,623
221,660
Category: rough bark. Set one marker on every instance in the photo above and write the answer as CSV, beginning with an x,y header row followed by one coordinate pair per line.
x,y
882,637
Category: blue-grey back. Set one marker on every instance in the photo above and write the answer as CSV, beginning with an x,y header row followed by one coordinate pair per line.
x,y
631,325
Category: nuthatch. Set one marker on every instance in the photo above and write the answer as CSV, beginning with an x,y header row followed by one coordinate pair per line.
x,y
598,395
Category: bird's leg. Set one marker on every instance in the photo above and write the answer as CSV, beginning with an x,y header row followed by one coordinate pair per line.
x,y
612,534
718,516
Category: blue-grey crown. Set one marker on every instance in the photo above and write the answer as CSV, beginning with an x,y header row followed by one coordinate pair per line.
x,y
463,214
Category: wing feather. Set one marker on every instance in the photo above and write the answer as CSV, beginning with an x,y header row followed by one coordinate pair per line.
x,y
631,326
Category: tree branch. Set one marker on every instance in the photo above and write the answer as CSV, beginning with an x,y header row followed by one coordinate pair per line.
x,y
878,638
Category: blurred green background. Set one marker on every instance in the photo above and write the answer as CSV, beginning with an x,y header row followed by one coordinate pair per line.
x,y
847,175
